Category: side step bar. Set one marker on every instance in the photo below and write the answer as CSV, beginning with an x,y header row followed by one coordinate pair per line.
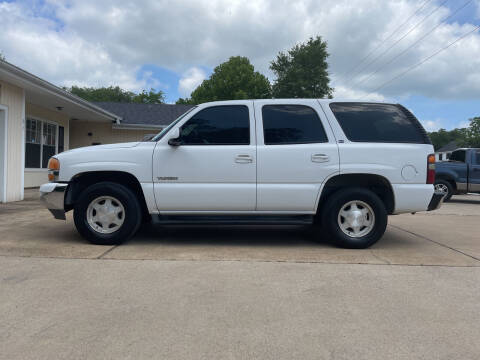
x,y
233,219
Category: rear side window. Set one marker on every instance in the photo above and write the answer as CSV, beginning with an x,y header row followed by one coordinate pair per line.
x,y
218,125
477,157
368,122
458,155
291,124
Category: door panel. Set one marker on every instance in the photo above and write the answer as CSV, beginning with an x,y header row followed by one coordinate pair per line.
x,y
474,172
205,177
289,176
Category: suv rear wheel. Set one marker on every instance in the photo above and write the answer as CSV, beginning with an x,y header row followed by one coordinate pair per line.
x,y
107,213
354,218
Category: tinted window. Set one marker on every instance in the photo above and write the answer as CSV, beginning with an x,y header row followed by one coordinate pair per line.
x,y
477,157
218,125
367,122
291,124
458,155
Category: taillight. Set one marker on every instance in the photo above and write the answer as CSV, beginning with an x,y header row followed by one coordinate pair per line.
x,y
431,169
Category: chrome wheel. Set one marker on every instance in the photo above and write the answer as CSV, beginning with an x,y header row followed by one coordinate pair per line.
x,y
442,188
356,218
105,214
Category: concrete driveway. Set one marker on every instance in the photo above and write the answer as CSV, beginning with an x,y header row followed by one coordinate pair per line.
x,y
233,292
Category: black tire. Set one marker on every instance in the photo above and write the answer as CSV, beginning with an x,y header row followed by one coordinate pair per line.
x,y
132,216
445,184
330,223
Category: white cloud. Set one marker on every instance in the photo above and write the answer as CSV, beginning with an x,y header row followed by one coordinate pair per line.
x,y
432,125
106,42
463,124
190,80
343,92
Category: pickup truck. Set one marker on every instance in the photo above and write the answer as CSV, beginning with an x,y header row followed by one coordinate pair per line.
x,y
340,166
460,174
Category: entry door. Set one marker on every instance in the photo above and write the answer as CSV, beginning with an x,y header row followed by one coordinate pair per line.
x,y
474,174
214,168
296,152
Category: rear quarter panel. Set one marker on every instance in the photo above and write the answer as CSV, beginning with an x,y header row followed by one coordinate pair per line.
x,y
404,165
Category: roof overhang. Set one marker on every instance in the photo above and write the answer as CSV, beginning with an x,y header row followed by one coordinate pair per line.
x,y
155,128
45,94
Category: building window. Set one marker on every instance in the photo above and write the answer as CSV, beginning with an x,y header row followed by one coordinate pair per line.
x,y
42,141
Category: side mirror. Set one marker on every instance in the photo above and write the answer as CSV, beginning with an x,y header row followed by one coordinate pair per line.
x,y
174,137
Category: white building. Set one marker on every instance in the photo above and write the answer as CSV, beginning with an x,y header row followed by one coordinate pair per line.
x,y
39,119
443,154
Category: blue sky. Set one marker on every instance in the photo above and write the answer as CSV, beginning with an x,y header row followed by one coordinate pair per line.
x,y
173,47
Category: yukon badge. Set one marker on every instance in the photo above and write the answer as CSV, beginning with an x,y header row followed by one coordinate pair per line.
x,y
167,178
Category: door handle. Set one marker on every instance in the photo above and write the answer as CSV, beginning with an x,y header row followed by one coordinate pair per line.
x,y
243,159
320,158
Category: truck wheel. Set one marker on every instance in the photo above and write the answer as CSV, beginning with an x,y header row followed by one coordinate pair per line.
x,y
445,187
354,218
107,213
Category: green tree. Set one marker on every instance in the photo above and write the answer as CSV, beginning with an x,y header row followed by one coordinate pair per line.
x,y
302,72
232,80
473,132
151,97
184,101
442,137
116,94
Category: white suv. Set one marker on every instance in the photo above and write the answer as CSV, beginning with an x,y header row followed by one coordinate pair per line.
x,y
340,166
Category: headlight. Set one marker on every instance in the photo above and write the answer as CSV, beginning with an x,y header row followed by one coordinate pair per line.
x,y
53,169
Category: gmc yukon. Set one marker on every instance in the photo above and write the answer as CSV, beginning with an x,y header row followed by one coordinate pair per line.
x,y
341,166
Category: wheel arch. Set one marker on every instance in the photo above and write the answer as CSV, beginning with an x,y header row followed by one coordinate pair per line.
x,y
374,182
83,180
447,177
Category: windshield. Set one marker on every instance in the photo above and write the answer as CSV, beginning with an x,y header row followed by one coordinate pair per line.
x,y
167,129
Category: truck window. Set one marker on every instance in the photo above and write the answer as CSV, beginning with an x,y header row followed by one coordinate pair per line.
x,y
477,157
458,155
218,125
385,123
291,124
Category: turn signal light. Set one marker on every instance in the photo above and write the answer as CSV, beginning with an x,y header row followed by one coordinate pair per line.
x,y
53,164
53,168
431,169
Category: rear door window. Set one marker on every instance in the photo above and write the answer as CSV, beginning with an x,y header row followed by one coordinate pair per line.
x,y
386,123
477,157
291,124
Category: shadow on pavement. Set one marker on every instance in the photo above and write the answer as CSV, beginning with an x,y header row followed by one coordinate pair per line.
x,y
475,201
228,235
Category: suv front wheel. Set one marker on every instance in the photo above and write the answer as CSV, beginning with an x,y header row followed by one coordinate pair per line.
x,y
354,218
107,213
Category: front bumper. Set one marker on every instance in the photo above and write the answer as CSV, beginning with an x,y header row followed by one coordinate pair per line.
x,y
52,195
437,200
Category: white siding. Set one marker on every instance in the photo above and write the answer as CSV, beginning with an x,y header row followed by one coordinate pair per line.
x,y
12,97
37,177
102,133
